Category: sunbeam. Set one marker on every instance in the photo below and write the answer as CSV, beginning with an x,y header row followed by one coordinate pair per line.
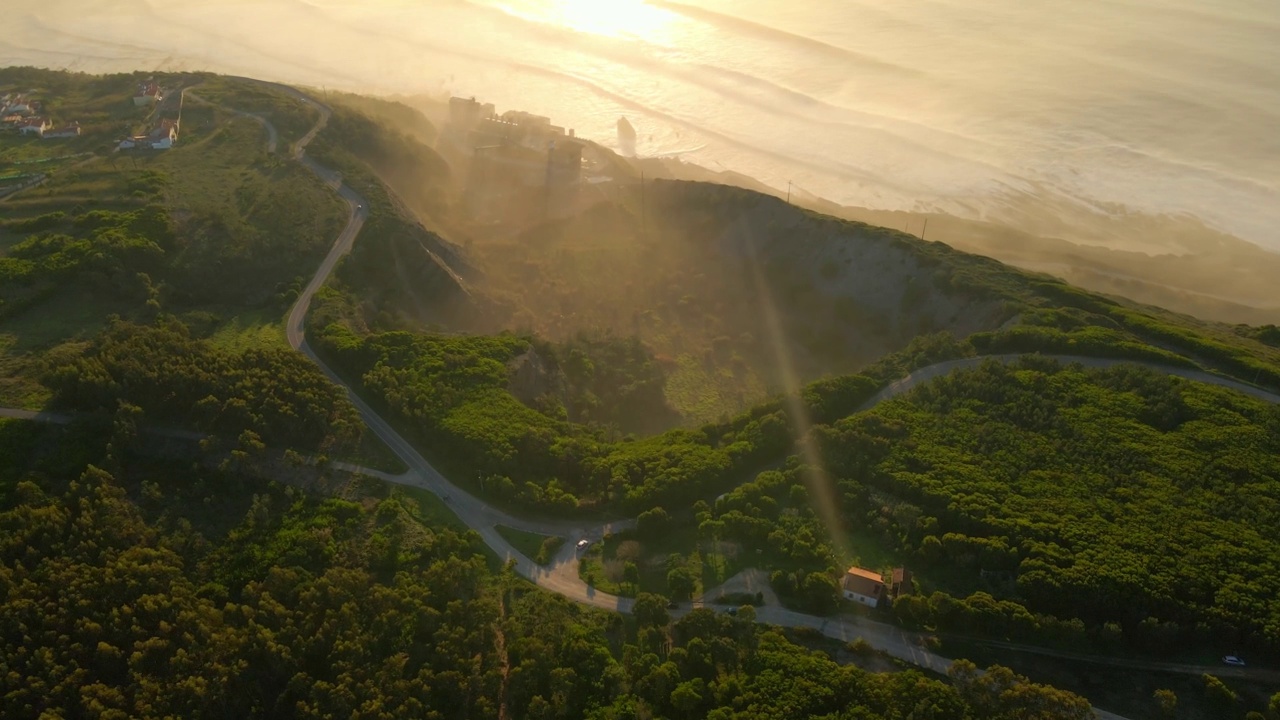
x,y
822,494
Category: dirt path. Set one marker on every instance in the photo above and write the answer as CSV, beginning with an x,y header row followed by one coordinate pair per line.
x,y
273,138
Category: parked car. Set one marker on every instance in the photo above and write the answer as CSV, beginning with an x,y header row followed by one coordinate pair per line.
x,y
583,543
732,611
1233,660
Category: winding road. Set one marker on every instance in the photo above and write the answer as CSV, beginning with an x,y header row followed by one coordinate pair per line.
x,y
561,574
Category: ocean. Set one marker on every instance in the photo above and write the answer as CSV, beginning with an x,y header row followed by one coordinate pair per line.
x,y
1013,111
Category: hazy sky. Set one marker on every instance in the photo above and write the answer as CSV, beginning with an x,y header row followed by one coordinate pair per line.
x,y
1004,109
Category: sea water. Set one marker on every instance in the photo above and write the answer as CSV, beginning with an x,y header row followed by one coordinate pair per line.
x,y
996,109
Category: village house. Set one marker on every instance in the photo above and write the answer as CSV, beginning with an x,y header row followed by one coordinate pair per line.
x,y
34,125
162,137
16,104
165,135
900,584
148,93
862,586
69,130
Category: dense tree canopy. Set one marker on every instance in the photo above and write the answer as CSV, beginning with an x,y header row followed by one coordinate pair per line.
x,y
1124,501
454,393
1114,496
124,598
190,385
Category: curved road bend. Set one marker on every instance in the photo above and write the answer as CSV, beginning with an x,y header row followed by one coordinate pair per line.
x,y
272,137
561,576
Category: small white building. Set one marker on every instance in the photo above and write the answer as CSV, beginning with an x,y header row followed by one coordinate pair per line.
x,y
165,135
862,586
69,130
162,137
17,104
34,126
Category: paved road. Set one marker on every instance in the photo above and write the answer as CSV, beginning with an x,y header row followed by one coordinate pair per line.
x,y
925,374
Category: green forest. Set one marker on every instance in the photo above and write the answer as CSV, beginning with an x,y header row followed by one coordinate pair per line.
x,y
163,589
1104,508
1121,502
176,381
151,567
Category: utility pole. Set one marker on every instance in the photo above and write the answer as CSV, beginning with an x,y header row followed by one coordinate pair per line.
x,y
788,192
926,228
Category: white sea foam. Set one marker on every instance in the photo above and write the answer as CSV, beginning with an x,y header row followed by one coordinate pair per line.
x,y
989,108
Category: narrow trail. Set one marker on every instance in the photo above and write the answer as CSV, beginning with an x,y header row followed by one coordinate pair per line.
x,y
561,575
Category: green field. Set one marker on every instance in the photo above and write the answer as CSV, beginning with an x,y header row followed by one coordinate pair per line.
x,y
65,319
539,548
263,328
428,509
373,453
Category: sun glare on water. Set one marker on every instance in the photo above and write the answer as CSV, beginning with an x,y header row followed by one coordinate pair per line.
x,y
609,18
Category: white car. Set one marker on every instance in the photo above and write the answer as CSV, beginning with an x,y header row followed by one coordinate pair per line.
x,y
1233,660
583,543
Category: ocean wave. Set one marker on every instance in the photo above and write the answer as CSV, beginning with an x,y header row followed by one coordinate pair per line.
x,y
748,27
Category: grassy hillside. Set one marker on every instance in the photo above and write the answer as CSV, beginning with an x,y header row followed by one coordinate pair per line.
x,y
215,230
737,296
1173,262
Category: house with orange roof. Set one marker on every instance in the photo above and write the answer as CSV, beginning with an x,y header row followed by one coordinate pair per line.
x,y
862,586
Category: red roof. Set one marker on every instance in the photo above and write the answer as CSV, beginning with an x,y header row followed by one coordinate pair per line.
x,y
862,581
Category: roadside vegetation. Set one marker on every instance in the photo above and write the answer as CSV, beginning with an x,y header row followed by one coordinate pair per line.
x,y
1119,510
538,548
291,117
